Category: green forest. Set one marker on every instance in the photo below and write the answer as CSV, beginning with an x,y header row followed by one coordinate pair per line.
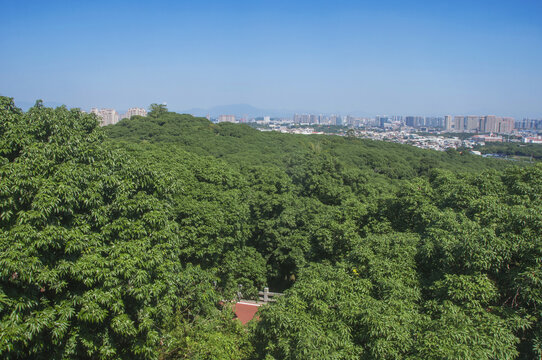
x,y
130,241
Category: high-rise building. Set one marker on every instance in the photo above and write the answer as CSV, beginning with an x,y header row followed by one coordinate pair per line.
x,y
529,124
448,123
350,120
489,124
434,121
459,123
226,118
135,111
334,120
472,123
381,121
414,121
321,119
492,123
302,118
506,125
107,116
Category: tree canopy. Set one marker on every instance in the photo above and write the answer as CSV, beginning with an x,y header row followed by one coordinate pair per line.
x,y
89,246
157,110
129,241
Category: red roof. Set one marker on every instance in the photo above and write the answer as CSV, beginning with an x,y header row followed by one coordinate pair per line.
x,y
245,311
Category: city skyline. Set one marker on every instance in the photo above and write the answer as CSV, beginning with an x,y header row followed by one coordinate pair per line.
x,y
390,57
456,123
217,111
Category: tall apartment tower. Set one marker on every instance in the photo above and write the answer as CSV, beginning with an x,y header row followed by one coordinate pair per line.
x,y
448,123
507,125
490,124
415,121
529,124
472,123
459,123
135,111
226,118
107,116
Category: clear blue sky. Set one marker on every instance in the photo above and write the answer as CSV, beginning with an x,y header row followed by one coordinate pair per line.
x,y
376,57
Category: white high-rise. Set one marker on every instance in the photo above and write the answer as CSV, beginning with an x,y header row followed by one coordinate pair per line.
x,y
107,116
226,118
135,111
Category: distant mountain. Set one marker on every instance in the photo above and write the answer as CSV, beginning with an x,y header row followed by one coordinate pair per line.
x,y
237,110
251,111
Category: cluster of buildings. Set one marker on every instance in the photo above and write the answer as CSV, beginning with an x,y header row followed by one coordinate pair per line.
x,y
470,123
448,123
529,124
433,142
245,119
320,119
406,136
400,129
111,116
484,124
420,131
459,123
301,119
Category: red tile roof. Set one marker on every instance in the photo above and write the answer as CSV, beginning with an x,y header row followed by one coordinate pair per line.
x,y
245,311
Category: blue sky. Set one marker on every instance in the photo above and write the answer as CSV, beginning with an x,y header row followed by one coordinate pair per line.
x,y
370,57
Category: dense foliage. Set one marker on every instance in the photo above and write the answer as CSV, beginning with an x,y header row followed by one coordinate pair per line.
x,y
89,247
120,242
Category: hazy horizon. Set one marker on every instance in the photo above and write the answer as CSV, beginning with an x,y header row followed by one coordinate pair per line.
x,y
386,58
256,112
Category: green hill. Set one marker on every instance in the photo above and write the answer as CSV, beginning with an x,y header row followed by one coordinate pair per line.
x,y
121,242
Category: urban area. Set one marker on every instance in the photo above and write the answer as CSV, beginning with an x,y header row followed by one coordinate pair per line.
x,y
427,132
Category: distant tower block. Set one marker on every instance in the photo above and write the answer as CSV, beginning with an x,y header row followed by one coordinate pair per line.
x,y
226,118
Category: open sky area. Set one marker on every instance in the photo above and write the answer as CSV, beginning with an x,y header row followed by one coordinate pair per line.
x,y
368,57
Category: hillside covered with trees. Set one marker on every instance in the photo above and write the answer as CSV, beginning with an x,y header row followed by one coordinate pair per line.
x,y
128,241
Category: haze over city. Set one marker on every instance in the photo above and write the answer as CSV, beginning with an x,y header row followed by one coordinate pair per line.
x,y
367,58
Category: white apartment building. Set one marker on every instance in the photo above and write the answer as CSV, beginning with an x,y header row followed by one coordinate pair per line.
x,y
107,116
226,118
135,111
